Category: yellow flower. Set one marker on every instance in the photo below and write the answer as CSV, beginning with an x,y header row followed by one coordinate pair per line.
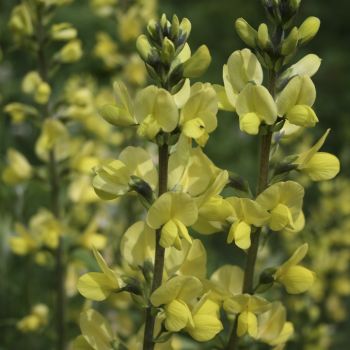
x,y
172,212
155,110
318,166
24,243
295,278
21,21
138,244
273,327
198,63
295,102
121,113
226,281
19,111
90,238
130,24
254,106
112,179
54,137
206,319
175,295
99,285
247,306
246,213
17,169
70,52
37,318
198,115
242,67
96,332
33,84
63,32
107,50
284,202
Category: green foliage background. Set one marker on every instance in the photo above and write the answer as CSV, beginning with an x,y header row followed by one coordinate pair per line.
x,y
213,25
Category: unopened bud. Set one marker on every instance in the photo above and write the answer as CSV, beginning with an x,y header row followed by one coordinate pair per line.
x,y
308,29
290,43
246,32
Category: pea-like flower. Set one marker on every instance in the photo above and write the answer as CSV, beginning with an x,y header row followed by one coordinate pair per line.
x,y
245,213
198,115
296,100
242,67
295,278
247,307
274,329
172,212
206,319
318,166
255,106
113,178
99,285
284,202
174,296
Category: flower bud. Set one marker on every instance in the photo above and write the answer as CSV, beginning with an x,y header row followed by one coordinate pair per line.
x,y
198,63
302,115
116,116
308,29
185,29
246,32
263,37
143,47
63,31
290,43
20,21
71,52
168,51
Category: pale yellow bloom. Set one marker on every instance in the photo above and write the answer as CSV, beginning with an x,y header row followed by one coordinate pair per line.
x,y
255,106
247,307
17,170
295,278
99,285
70,52
20,111
284,202
172,212
175,295
318,166
37,319
112,179
246,213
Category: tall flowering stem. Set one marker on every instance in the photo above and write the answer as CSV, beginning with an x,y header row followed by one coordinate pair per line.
x,y
54,192
163,157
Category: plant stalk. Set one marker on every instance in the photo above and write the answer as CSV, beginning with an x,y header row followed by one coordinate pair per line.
x,y
54,197
163,156
263,178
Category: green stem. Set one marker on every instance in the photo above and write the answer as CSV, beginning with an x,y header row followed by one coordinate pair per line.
x,y
263,178
148,343
54,194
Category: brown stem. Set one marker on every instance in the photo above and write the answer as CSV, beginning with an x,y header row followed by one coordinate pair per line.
x,y
263,178
148,343
54,194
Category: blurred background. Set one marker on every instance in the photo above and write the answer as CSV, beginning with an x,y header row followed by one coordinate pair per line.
x,y
321,317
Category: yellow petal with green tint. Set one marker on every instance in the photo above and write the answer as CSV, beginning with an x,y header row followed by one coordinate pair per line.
x,y
240,233
297,279
299,91
194,128
250,123
223,101
257,99
308,29
280,217
115,115
96,330
228,280
302,115
111,180
308,65
184,288
169,233
230,93
247,323
286,333
182,96
243,67
184,208
79,343
178,315
198,63
322,166
182,231
95,286
138,244
109,273
160,211
296,257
